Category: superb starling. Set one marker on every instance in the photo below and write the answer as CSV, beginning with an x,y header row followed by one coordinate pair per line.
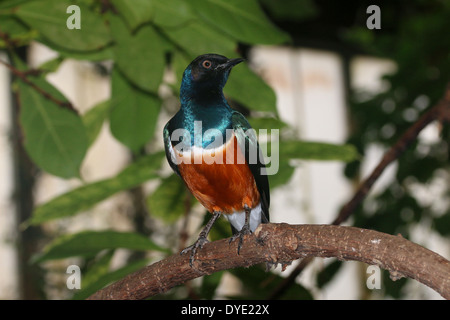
x,y
215,151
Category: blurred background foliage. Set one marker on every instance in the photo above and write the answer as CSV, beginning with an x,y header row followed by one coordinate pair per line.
x,y
419,193
145,39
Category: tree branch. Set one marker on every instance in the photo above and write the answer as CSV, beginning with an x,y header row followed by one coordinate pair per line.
x,y
283,243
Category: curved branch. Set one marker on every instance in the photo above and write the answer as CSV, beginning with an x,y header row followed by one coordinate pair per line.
x,y
283,243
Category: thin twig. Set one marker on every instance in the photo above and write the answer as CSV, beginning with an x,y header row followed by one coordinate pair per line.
x,y
22,75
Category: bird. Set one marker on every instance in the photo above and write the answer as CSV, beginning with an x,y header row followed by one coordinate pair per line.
x,y
215,151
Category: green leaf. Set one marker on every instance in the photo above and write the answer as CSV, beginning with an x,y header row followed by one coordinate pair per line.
x,y
107,278
294,149
328,273
51,65
134,113
210,284
17,32
86,196
247,88
256,289
168,200
267,123
283,175
198,38
11,3
139,56
49,17
99,55
167,13
243,20
172,13
89,243
55,137
94,118
221,230
97,268
291,10
281,172
442,224
135,12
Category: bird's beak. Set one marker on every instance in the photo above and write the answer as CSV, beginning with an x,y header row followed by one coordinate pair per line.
x,y
229,64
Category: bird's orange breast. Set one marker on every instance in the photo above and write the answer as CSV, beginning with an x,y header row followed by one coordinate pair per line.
x,y
219,179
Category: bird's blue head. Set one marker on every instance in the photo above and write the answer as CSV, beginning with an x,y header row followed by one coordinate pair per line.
x,y
205,77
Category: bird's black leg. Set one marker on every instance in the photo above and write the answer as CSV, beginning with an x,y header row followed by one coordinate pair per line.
x,y
201,238
245,229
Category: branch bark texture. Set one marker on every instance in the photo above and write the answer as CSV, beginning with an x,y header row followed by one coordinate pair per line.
x,y
283,243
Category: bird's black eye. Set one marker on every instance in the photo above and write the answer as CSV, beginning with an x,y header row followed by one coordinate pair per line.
x,y
206,64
